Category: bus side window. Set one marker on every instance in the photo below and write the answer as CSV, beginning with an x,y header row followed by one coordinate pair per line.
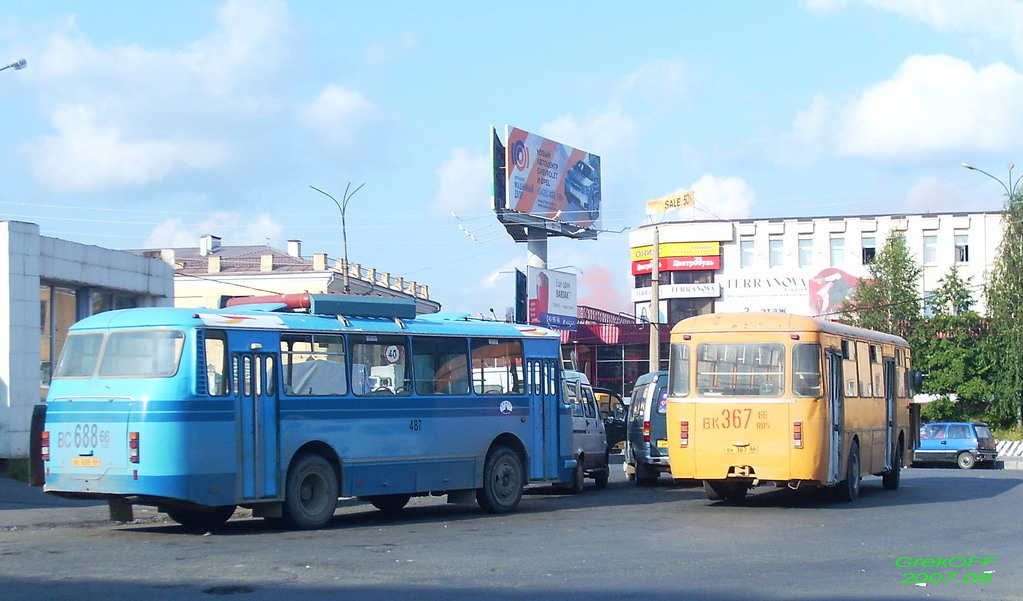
x,y
215,343
497,366
440,365
313,365
386,359
806,369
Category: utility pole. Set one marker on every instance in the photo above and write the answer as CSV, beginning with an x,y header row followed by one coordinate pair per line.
x,y
655,305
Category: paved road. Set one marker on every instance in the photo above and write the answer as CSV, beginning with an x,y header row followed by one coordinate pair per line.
x,y
666,542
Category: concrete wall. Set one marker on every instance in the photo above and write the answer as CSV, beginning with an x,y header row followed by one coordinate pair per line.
x,y
28,259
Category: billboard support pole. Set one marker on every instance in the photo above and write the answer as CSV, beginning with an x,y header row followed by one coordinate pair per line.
x,y
536,247
655,306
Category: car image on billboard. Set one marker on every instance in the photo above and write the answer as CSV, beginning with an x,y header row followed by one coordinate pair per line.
x,y
582,187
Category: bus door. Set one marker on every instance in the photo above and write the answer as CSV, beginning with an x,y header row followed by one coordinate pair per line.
x,y
543,398
889,403
255,388
835,382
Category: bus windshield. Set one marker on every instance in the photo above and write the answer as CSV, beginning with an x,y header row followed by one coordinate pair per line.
x,y
147,353
740,369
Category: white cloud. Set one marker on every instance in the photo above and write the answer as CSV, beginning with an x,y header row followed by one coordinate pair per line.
x,y
233,228
610,133
465,181
987,21
934,104
723,197
810,131
344,120
157,112
91,155
383,52
658,82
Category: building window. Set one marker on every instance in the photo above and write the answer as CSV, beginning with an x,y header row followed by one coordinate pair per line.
x,y
775,252
930,250
837,252
57,312
805,252
869,250
746,253
962,242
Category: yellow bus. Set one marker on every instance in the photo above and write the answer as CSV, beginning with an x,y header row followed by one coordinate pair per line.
x,y
786,399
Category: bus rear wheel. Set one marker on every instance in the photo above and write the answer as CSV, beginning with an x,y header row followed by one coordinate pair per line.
x,y
848,490
195,519
311,493
890,480
502,481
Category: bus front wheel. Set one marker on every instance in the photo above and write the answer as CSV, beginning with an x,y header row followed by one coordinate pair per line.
x,y
310,496
502,481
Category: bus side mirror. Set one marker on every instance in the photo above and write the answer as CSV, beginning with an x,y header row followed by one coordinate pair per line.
x,y
916,380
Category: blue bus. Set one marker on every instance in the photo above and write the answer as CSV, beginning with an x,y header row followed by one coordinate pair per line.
x,y
284,404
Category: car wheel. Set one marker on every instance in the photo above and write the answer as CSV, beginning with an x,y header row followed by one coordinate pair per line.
x,y
965,460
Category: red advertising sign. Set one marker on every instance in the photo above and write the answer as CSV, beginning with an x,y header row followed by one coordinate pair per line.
x,y
678,264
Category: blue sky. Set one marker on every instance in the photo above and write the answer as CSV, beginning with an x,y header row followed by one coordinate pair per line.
x,y
148,124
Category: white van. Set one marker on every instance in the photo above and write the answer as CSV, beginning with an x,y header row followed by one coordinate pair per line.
x,y
589,441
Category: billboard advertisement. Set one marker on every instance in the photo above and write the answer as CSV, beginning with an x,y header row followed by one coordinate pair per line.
x,y
677,264
551,298
676,249
546,184
801,292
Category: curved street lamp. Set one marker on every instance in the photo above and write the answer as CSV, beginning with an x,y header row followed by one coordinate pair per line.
x,y
1009,188
16,65
343,206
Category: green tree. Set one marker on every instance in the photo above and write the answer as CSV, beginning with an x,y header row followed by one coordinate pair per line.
x,y
951,348
1004,294
888,300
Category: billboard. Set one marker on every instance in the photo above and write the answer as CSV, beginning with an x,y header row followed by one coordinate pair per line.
x,y
551,298
541,183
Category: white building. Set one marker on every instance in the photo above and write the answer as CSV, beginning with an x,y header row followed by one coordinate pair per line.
x,y
806,266
47,284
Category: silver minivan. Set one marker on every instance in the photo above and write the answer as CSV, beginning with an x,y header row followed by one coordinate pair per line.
x,y
646,430
589,441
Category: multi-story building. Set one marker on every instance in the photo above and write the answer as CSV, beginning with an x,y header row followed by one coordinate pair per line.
x,y
806,266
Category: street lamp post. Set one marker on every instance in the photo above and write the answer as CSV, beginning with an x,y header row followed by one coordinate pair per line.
x,y
342,207
16,65
1009,187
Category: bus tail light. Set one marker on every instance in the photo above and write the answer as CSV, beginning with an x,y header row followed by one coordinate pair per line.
x,y
44,445
797,435
646,431
133,447
683,437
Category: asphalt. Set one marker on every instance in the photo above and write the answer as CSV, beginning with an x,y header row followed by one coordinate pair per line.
x,y
23,506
